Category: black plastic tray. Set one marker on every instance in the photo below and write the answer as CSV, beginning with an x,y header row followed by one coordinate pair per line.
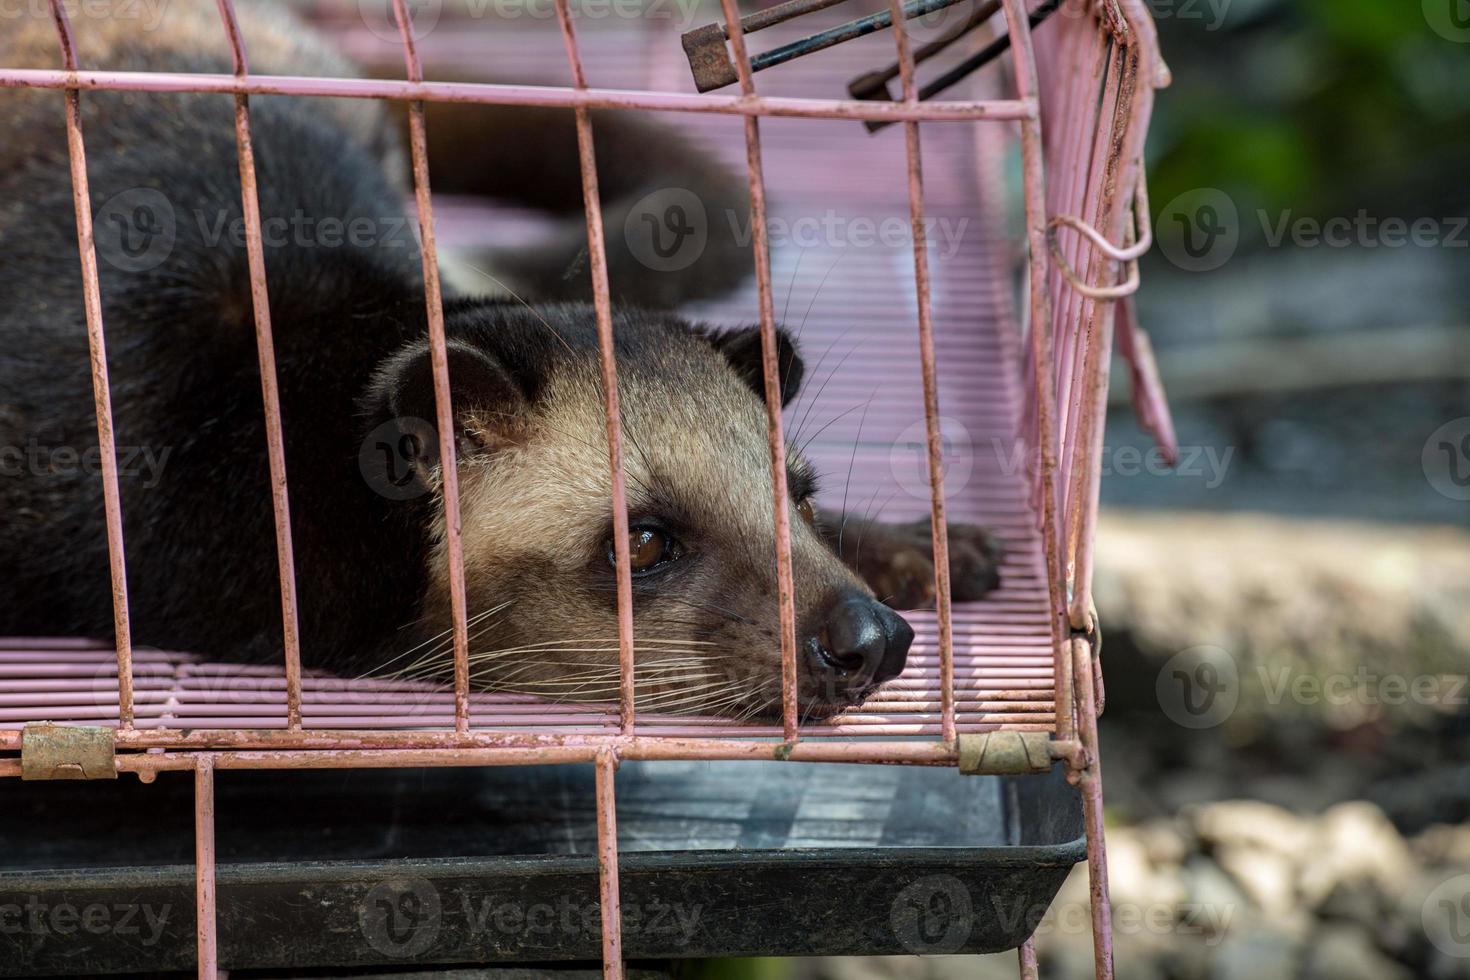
x,y
379,867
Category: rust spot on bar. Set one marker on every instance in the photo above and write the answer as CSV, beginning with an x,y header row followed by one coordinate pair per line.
x,y
602,303
779,14
527,95
1088,473
607,865
207,940
266,354
709,58
372,741
1027,957
771,375
439,361
1089,781
81,196
1041,327
939,532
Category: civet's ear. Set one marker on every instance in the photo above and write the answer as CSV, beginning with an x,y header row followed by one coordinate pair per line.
x,y
742,349
487,400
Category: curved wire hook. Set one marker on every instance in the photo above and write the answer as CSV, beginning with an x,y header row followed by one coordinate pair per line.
x,y
1128,253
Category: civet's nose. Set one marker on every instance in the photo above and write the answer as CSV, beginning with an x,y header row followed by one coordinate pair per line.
x,y
862,643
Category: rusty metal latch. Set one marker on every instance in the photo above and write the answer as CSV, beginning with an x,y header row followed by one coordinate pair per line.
x,y
1005,753
50,751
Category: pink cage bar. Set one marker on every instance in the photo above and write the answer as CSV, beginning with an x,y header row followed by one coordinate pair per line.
x,y
1023,660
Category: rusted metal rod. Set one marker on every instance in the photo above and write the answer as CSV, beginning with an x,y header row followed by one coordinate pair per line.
x,y
97,350
864,86
266,357
771,376
439,364
710,63
607,865
778,14
206,934
401,90
607,360
874,85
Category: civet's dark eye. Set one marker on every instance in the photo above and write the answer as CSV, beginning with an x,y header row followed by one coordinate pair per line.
x,y
648,548
807,511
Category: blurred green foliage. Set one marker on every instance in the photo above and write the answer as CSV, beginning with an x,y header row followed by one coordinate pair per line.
x,y
735,968
1319,106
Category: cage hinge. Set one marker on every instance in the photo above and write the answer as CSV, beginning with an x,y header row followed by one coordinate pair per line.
x,y
1005,753
1089,628
50,751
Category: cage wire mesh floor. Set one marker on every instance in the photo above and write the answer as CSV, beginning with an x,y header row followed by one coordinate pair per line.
x,y
843,278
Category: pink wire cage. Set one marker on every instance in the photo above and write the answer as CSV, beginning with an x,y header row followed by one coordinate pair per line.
x,y
1026,658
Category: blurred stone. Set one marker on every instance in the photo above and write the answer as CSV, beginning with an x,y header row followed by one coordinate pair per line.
x,y
1355,843
1352,901
1340,952
1254,825
1443,844
1134,879
1137,958
1069,961
1258,955
1189,959
1213,892
1164,843
1430,932
1269,880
